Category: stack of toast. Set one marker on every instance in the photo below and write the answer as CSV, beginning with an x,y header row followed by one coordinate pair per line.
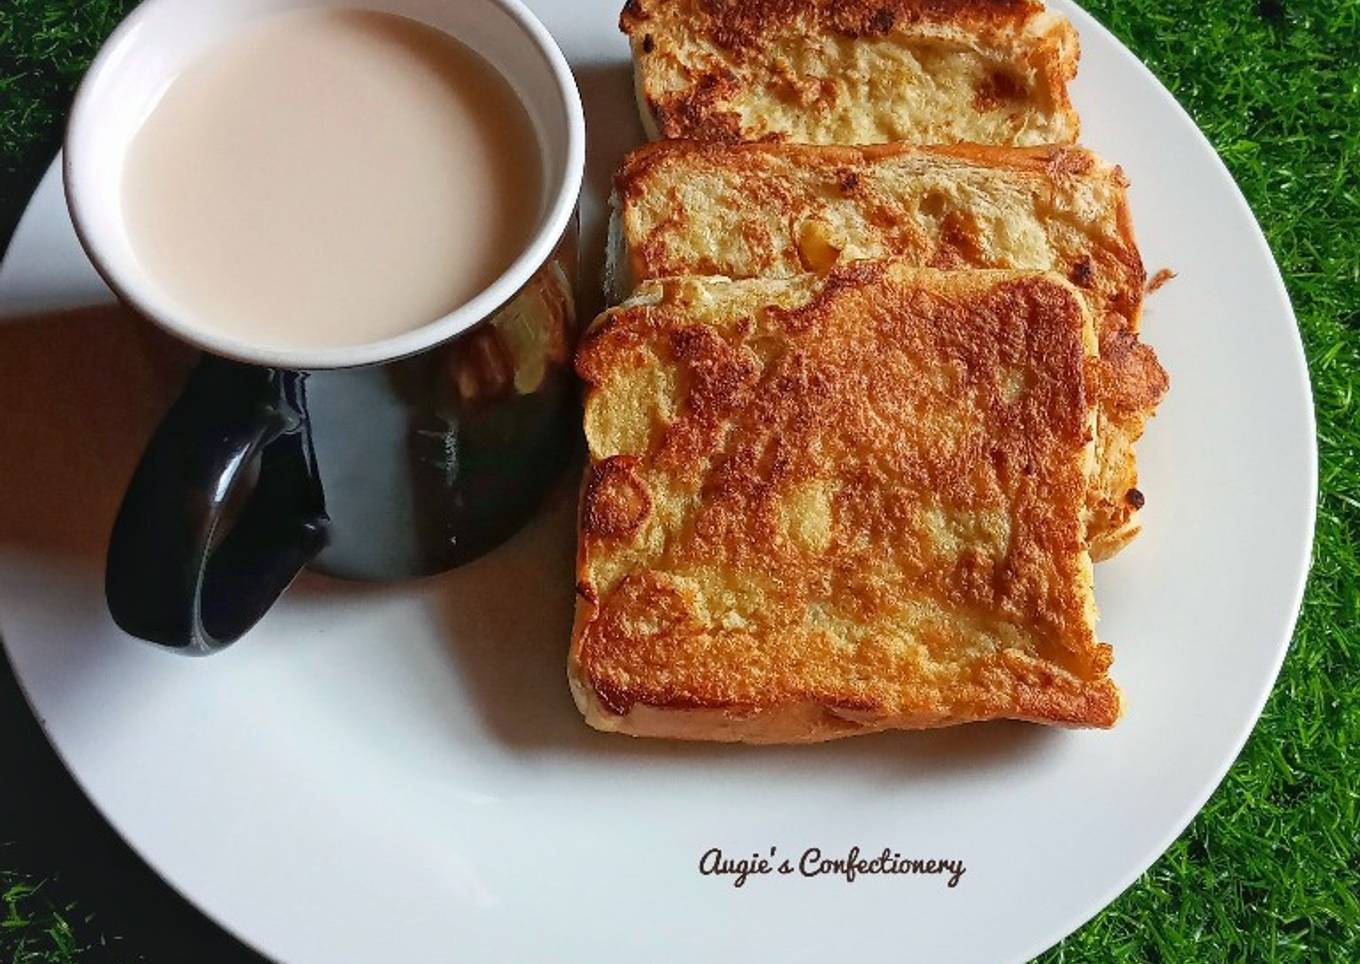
x,y
866,408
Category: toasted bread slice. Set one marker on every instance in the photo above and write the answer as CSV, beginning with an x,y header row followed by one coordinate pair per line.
x,y
828,505
775,210
854,72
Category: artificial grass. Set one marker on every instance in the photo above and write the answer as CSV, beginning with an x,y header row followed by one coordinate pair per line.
x,y
1270,869
35,927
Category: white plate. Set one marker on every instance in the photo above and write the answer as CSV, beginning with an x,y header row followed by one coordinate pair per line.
x,y
398,773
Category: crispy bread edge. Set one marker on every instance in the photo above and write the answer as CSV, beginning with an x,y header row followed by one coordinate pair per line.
x,y
644,108
810,722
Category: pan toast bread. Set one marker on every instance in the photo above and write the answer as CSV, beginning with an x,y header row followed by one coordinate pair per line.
x,y
854,72
827,505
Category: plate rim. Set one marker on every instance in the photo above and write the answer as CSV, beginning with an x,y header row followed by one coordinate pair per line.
x,y
1212,778
1303,566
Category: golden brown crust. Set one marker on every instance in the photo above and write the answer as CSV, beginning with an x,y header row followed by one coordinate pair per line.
x,y
861,508
744,26
614,504
1133,383
818,723
772,210
991,71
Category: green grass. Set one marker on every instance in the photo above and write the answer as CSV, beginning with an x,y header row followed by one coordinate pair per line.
x,y
38,930
1270,870
37,926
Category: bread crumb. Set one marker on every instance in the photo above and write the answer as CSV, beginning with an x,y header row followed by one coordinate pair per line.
x,y
1160,278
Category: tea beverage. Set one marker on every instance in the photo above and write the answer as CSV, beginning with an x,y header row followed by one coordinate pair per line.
x,y
331,177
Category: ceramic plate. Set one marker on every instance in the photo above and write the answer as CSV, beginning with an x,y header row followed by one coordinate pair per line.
x,y
398,773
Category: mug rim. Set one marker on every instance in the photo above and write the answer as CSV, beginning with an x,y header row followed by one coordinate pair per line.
x,y
139,292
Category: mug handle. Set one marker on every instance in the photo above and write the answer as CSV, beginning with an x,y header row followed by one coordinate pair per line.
x,y
172,577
